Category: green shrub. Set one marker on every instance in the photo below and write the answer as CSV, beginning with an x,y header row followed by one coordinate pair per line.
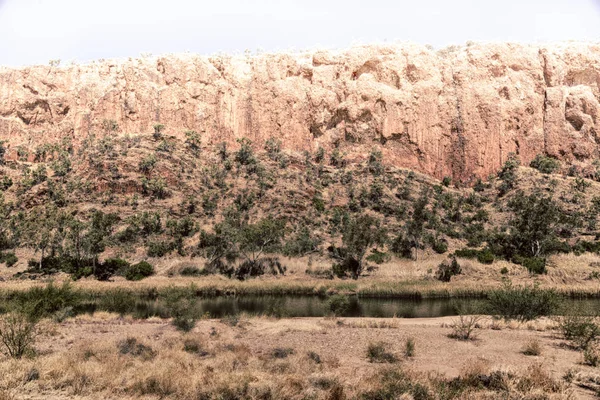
x,y
485,256
409,347
446,270
535,265
466,253
139,271
378,257
192,271
378,353
446,181
9,258
579,328
110,267
522,303
338,304
440,246
40,302
147,163
545,164
160,248
302,243
245,155
184,323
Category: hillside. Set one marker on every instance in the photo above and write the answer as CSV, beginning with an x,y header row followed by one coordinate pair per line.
x,y
237,212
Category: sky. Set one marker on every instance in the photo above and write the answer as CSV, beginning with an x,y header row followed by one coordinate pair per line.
x,y
36,31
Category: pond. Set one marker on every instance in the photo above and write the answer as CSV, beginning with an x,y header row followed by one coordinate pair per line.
x,y
308,306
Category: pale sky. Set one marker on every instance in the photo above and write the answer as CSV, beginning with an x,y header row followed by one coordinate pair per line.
x,y
36,31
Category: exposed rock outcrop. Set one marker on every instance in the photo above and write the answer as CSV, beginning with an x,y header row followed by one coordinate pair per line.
x,y
456,112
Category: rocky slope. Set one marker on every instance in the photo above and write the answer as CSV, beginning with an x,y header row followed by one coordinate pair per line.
x,y
455,112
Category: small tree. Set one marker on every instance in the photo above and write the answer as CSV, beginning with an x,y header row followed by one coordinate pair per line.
x,y
545,164
17,334
533,225
360,234
158,129
256,239
193,141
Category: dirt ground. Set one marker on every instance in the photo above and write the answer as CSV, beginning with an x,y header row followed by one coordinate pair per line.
x,y
341,343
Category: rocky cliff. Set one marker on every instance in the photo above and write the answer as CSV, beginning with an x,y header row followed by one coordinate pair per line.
x,y
455,112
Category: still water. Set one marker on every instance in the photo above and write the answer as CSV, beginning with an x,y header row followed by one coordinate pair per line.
x,y
313,306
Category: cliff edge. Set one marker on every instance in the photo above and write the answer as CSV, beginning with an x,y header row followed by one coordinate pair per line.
x,y
455,112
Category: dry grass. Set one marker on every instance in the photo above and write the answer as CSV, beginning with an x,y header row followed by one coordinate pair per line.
x,y
567,273
114,358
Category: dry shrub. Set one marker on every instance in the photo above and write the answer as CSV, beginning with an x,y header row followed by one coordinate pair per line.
x,y
532,348
464,327
379,353
132,347
18,335
591,356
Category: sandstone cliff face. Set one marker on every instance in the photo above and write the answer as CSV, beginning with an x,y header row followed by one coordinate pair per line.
x,y
456,112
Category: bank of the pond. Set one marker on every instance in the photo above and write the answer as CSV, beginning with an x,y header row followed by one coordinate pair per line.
x,y
363,288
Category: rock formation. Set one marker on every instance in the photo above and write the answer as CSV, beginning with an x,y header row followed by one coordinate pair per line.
x,y
454,112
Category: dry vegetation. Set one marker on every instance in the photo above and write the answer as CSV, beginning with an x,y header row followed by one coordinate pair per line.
x,y
109,357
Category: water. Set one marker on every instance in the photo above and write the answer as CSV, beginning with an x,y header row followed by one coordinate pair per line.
x,y
311,306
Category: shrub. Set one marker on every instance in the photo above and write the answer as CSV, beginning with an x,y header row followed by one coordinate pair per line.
x,y
147,163
409,347
440,246
579,328
40,302
314,357
159,249
338,304
446,270
591,356
464,327
17,334
194,347
485,256
245,155
158,129
184,323
192,271
131,346
379,353
301,244
522,303
139,271
446,181
110,267
282,352
466,253
378,257
535,265
532,348
9,258
545,164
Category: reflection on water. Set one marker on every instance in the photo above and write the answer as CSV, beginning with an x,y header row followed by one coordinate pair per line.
x,y
307,306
